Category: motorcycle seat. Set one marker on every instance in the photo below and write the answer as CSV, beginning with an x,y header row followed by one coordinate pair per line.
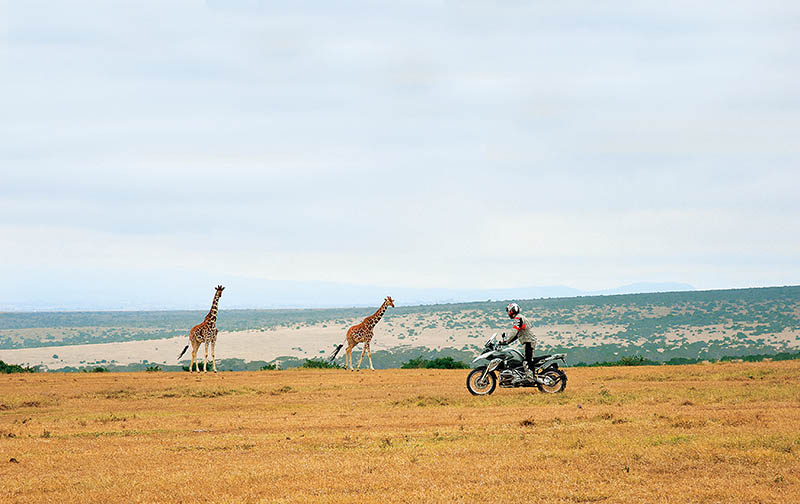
x,y
540,358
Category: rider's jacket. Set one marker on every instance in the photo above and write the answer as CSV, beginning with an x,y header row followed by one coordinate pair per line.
x,y
523,331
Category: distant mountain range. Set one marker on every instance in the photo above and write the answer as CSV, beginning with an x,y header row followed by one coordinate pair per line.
x,y
175,291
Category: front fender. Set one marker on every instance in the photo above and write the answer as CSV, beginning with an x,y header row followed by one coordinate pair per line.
x,y
478,362
484,359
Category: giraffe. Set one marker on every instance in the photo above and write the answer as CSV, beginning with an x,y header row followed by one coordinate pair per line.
x,y
362,333
205,332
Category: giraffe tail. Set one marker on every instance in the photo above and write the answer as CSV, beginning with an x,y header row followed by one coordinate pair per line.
x,y
184,351
330,359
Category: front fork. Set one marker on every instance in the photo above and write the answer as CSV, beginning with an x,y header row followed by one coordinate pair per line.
x,y
491,367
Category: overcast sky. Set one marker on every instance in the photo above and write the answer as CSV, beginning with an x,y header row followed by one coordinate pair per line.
x,y
457,144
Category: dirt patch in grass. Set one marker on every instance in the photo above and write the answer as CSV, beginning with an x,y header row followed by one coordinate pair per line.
x,y
14,403
422,401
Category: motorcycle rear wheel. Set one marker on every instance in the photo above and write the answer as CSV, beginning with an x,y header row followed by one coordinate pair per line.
x,y
476,387
558,379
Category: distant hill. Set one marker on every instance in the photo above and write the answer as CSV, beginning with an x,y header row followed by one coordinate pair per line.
x,y
643,288
657,326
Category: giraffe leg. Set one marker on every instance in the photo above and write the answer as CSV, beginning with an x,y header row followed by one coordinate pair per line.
x,y
348,352
213,358
369,354
194,359
205,359
349,360
362,357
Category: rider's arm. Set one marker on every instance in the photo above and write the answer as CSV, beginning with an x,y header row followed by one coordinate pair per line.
x,y
511,339
519,325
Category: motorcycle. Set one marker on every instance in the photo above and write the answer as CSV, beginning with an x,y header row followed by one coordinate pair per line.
x,y
508,363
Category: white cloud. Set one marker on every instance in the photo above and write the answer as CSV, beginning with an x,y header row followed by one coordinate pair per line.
x,y
412,145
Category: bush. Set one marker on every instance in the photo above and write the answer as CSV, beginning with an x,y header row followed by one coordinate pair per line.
x,y
97,369
624,361
679,361
760,357
418,363
152,369
16,368
319,364
438,363
269,367
636,360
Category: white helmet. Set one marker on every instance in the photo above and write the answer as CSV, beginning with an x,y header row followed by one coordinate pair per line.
x,y
513,310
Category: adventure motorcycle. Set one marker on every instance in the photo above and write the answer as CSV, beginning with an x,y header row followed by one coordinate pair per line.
x,y
482,380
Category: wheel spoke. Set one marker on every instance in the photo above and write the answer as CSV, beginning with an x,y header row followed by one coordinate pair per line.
x,y
480,385
553,382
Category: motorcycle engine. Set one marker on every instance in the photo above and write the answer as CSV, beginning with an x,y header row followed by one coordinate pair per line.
x,y
511,377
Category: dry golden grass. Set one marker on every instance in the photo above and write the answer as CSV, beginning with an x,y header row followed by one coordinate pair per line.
x,y
705,433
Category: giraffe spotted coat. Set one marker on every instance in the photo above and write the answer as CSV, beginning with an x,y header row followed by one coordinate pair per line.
x,y
205,332
362,333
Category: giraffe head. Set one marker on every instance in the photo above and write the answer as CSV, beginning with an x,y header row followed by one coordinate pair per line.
x,y
389,301
219,290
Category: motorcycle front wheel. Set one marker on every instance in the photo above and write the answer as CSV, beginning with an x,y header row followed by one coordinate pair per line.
x,y
478,387
555,381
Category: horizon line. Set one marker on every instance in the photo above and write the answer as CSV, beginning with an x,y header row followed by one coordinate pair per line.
x,y
299,308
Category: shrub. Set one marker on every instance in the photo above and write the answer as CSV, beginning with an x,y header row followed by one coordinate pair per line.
x,y
152,369
16,368
438,363
636,360
269,367
418,363
679,361
319,364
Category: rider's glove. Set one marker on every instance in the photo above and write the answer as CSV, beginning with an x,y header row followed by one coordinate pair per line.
x,y
502,338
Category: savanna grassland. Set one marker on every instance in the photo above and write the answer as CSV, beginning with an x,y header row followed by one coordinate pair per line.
x,y
725,432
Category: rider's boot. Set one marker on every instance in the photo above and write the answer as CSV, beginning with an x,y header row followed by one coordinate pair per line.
x,y
528,372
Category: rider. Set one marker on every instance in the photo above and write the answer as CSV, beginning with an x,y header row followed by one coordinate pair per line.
x,y
525,336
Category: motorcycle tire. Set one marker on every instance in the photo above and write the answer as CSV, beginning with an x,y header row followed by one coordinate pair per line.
x,y
559,379
476,388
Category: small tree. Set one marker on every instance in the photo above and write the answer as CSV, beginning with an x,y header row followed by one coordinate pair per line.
x,y
320,364
437,363
16,368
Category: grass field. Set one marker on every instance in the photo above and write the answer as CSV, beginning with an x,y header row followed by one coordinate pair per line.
x,y
702,433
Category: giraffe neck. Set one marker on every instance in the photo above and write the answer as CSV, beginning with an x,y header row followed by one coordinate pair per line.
x,y
373,320
211,318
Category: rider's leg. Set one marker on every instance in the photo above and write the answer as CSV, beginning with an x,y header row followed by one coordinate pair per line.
x,y
529,361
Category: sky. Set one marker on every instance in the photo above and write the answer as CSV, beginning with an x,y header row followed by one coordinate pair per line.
x,y
414,144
